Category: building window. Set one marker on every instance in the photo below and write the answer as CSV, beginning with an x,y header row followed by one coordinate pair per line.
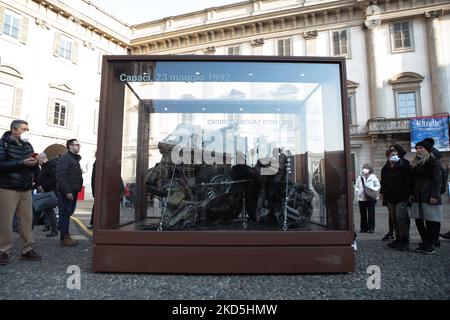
x,y
401,36
407,105
65,47
284,47
352,108
11,24
60,113
6,99
341,43
234,50
406,88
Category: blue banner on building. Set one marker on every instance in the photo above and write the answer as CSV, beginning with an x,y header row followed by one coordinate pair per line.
x,y
430,127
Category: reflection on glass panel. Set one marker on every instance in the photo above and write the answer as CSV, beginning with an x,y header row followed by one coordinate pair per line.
x,y
129,154
242,146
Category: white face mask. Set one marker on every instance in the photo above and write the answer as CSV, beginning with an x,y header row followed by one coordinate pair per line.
x,y
365,171
25,137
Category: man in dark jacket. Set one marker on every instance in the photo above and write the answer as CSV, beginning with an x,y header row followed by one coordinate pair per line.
x,y
17,163
69,182
395,190
46,182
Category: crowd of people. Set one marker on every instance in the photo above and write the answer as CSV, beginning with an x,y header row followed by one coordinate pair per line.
x,y
22,171
410,191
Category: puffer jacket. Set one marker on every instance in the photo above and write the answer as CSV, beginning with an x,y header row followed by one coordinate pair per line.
x,y
69,176
14,174
427,181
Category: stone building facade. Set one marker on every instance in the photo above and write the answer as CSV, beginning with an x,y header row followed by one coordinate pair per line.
x,y
397,53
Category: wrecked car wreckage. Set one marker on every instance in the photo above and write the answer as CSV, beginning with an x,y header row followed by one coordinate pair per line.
x,y
217,196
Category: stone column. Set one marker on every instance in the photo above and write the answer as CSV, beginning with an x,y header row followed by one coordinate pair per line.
x,y
377,109
436,60
310,39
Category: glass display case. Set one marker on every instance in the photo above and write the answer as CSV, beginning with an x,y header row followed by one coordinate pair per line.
x,y
228,165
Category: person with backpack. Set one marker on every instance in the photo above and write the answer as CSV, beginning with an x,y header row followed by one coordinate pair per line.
x,y
395,190
367,187
425,196
17,165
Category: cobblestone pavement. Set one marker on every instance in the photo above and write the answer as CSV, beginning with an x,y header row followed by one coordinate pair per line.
x,y
404,275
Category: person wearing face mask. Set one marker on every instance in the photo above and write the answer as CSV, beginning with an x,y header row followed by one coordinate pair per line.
x,y
369,180
395,190
69,181
17,165
425,195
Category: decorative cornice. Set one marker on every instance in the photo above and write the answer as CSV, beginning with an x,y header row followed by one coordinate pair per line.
x,y
406,77
434,14
309,35
88,45
257,42
209,50
42,23
63,87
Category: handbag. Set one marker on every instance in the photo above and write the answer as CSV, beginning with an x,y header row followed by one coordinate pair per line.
x,y
369,194
44,201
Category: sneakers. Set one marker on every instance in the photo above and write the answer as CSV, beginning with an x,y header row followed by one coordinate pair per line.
x,y
445,235
425,248
31,256
354,246
46,228
4,258
388,237
393,244
68,242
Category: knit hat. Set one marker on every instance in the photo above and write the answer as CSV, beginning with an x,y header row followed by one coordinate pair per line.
x,y
425,144
430,141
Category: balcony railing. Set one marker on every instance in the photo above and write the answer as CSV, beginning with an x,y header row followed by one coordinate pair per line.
x,y
386,126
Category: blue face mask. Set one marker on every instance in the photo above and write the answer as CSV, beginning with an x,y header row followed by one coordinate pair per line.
x,y
394,158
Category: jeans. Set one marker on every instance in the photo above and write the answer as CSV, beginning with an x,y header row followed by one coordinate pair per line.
x,y
398,212
367,212
66,209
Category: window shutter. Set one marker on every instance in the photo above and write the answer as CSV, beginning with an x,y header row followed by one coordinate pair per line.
x,y
70,115
57,44
74,53
51,111
2,18
17,103
24,26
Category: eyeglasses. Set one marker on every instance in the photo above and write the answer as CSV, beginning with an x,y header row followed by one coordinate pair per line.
x,y
76,145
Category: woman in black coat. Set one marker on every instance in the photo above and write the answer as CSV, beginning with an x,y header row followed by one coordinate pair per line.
x,y
425,196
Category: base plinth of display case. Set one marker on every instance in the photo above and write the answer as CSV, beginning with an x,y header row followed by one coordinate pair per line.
x,y
223,260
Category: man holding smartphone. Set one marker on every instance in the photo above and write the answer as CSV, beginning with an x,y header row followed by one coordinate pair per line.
x,y
17,165
69,179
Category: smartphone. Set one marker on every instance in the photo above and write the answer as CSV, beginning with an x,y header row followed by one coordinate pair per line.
x,y
34,155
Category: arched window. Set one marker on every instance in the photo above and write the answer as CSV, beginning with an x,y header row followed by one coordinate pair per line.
x,y
406,87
